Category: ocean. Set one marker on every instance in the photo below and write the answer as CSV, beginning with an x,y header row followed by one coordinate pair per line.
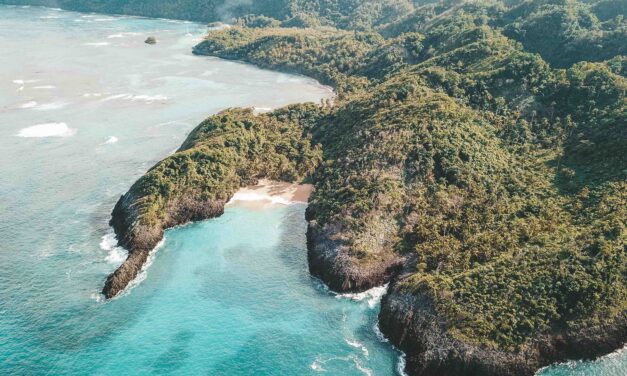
x,y
86,107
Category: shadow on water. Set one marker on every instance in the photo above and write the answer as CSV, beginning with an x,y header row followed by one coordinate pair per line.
x,y
258,356
174,357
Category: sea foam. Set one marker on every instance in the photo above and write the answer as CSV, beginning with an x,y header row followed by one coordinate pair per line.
x,y
358,345
400,365
50,106
143,273
30,104
111,140
47,130
96,44
401,362
136,98
372,296
116,255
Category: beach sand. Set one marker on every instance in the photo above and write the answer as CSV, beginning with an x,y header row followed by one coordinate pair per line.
x,y
269,192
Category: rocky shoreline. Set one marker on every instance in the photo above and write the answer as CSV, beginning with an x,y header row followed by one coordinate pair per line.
x,y
412,324
140,240
408,320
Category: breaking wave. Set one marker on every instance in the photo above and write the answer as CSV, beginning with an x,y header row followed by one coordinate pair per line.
x,y
111,140
372,296
116,255
47,130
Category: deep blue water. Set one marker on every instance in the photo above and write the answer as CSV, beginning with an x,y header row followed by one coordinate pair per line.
x,y
227,296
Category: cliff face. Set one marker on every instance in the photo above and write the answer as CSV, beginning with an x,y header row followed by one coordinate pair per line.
x,y
332,262
411,322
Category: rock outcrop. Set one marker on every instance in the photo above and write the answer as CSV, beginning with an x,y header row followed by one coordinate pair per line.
x,y
412,324
331,261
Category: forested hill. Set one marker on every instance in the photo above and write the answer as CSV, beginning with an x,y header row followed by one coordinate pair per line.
x,y
475,158
563,31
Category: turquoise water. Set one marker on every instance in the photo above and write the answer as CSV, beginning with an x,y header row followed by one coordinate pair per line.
x,y
85,108
225,296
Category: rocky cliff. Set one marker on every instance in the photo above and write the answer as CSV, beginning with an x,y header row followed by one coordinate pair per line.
x,y
412,323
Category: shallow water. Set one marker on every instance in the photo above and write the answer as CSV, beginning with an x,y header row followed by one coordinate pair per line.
x,y
85,108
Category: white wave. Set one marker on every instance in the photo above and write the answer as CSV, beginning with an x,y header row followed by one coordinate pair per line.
x,y
50,106
317,365
45,87
112,36
358,345
111,140
400,365
615,359
30,104
108,241
254,196
47,130
97,44
89,95
116,255
107,19
366,371
143,273
49,17
372,296
146,98
117,96
98,297
149,99
22,82
379,333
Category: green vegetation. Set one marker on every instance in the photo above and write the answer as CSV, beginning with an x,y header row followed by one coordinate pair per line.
x,y
453,141
226,151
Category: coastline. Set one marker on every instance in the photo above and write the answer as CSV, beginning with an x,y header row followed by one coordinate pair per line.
x,y
268,192
331,262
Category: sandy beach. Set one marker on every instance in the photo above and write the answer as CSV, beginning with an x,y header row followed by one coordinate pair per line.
x,y
269,192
